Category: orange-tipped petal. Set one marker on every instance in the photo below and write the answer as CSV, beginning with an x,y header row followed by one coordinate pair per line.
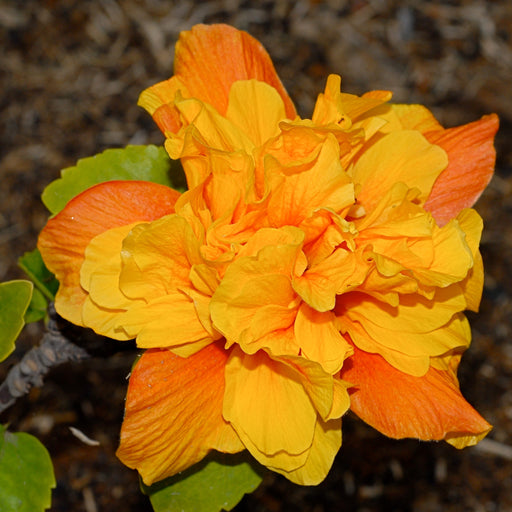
x,y
173,413
471,157
108,205
210,58
158,100
400,405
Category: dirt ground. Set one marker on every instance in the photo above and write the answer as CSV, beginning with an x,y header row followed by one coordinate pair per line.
x,y
71,72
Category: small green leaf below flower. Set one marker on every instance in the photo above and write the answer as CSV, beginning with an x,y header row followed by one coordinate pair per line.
x,y
37,308
217,483
26,473
14,300
145,163
33,265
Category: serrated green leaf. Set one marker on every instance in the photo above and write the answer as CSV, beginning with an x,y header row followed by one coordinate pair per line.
x,y
14,300
146,163
37,308
33,265
217,483
26,473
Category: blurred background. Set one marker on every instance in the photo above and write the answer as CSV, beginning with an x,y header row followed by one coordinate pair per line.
x,y
71,72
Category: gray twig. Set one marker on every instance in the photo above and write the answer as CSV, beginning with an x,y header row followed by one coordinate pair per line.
x,y
54,350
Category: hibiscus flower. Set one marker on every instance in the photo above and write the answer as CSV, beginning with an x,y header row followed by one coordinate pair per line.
x,y
312,266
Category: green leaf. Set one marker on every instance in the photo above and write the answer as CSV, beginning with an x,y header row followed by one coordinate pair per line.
x,y
14,300
33,265
26,473
217,483
37,308
146,163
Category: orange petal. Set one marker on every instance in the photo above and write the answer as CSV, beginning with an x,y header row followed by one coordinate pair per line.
x,y
400,405
173,413
209,59
108,205
471,157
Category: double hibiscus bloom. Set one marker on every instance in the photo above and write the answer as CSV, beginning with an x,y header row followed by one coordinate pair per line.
x,y
312,266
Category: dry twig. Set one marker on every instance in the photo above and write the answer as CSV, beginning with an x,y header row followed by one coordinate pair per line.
x,y
54,350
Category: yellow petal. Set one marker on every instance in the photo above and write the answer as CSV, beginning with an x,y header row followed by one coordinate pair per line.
x,y
100,271
168,321
409,352
102,320
416,365
326,443
320,284
452,257
358,106
416,117
404,156
413,314
157,258
324,185
328,394
276,425
255,296
256,109
320,340
328,107
99,276
472,225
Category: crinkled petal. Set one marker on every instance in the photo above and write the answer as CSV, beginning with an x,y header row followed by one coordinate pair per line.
x,y
255,296
210,129
400,405
324,185
320,284
108,205
173,413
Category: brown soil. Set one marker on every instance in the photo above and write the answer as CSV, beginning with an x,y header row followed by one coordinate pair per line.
x,y
71,73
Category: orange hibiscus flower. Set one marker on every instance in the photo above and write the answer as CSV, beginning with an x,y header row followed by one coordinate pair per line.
x,y
313,265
